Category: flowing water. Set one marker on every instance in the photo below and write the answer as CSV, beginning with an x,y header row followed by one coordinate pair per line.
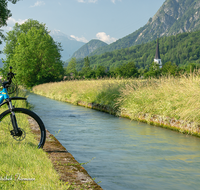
x,y
122,154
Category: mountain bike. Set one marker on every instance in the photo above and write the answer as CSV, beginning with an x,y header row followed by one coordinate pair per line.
x,y
21,122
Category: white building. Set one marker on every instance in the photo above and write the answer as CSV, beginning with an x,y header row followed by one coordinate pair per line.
x,y
157,58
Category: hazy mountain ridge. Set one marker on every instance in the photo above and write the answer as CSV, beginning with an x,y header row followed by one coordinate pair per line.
x,y
88,48
173,17
69,45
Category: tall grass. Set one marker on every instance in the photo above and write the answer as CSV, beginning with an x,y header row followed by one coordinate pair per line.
x,y
176,97
23,166
102,91
168,96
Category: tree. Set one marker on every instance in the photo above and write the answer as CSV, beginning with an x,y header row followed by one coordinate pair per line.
x,y
71,67
86,62
100,71
127,70
169,68
33,54
4,15
86,69
154,71
191,67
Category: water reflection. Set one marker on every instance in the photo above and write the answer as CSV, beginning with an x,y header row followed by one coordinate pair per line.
x,y
128,154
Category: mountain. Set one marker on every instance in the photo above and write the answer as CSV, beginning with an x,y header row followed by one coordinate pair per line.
x,y
173,17
69,45
88,48
181,49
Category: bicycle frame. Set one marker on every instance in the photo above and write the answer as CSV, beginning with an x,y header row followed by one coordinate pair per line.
x,y
3,95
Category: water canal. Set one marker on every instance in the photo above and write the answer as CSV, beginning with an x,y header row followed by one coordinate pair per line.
x,y
123,154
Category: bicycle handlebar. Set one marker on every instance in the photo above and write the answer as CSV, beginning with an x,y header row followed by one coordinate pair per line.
x,y
10,76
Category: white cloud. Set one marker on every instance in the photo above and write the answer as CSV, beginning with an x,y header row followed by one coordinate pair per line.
x,y
87,1
92,1
11,22
105,38
113,1
82,39
38,3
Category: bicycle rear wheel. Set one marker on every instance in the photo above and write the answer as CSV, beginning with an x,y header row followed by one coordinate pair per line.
x,y
30,125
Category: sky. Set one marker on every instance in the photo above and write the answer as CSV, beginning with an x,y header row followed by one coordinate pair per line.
x,y
84,20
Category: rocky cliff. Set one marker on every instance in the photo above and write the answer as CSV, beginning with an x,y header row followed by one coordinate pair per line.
x,y
173,17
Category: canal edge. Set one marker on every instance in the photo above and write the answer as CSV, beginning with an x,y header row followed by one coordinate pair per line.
x,y
184,127
69,170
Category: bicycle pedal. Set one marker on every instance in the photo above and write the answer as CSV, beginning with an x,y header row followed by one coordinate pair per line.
x,y
12,132
19,134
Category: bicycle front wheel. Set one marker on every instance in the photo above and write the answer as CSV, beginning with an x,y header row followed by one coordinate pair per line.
x,y
30,125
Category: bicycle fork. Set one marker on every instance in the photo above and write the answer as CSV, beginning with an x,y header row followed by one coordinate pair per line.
x,y
16,131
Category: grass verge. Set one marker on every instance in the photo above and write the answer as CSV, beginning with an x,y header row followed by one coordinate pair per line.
x,y
157,101
23,166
